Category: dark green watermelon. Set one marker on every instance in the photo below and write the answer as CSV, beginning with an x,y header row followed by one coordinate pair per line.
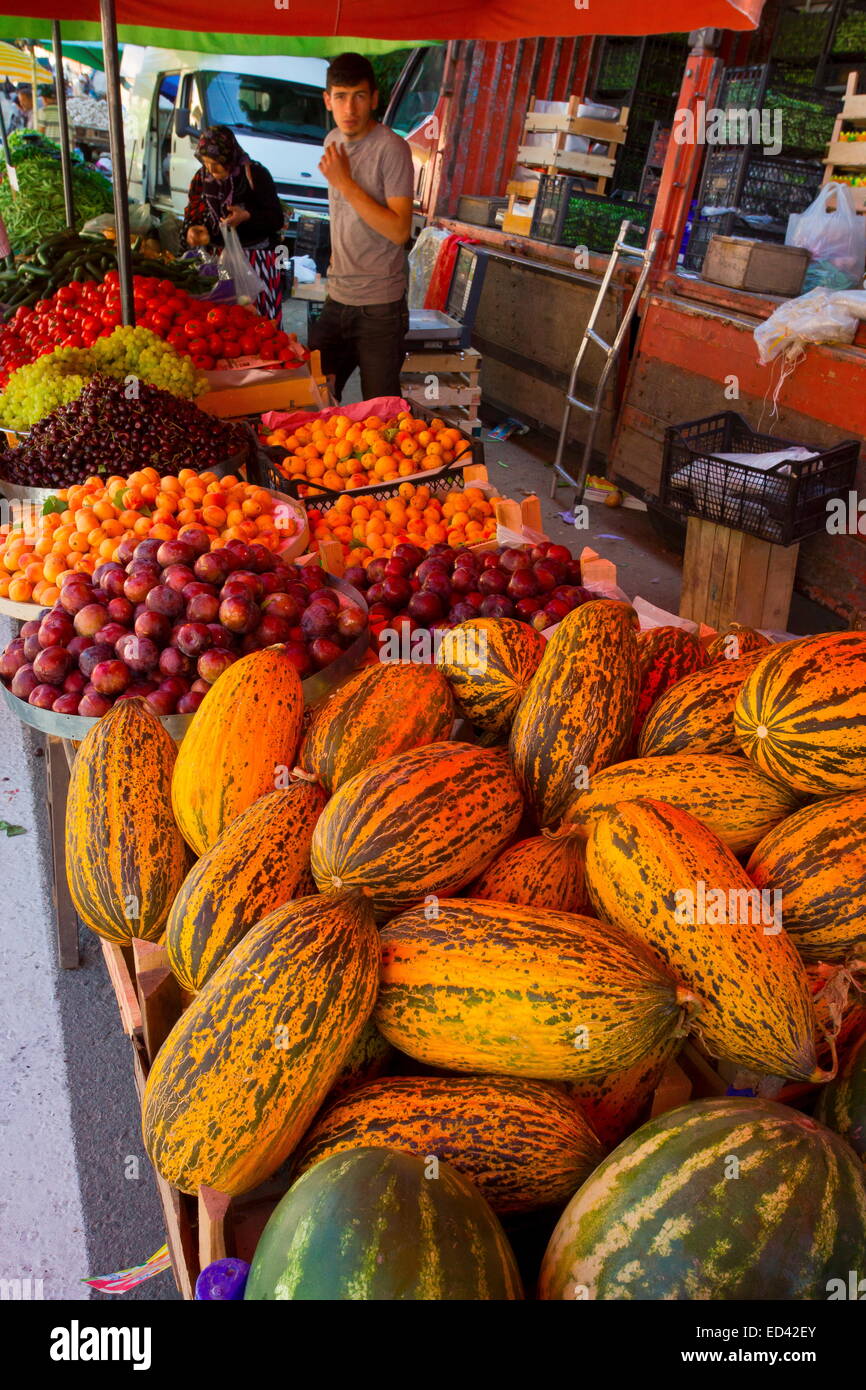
x,y
842,1104
375,1224
721,1199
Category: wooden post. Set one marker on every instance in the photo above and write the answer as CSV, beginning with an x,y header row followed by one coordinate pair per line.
x,y
731,577
213,1211
158,994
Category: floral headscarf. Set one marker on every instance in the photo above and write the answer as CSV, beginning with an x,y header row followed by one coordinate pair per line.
x,y
214,197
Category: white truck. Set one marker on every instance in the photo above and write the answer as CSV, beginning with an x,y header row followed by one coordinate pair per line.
x,y
273,104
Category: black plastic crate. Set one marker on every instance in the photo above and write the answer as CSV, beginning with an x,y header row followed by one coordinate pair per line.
x,y
808,117
699,239
802,34
849,38
263,471
758,185
313,239
781,505
620,64
565,215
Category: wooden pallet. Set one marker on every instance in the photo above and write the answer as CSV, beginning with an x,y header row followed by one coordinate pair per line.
x,y
843,156
554,158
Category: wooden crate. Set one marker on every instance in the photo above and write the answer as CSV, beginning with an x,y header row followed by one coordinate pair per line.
x,y
759,266
210,1225
521,206
731,577
844,156
458,385
554,158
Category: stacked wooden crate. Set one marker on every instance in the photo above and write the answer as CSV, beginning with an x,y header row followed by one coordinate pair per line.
x,y
558,121
446,383
846,159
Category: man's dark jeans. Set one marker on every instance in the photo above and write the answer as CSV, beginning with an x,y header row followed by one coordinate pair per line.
x,y
369,336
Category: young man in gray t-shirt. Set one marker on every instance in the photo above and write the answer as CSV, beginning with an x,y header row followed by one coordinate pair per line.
x,y
370,190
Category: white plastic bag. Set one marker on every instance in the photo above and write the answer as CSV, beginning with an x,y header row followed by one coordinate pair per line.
x,y
838,237
235,266
821,316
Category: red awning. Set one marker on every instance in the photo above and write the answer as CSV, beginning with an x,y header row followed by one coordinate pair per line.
x,y
499,20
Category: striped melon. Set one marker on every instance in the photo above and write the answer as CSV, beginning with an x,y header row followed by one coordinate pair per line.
x,y
697,714
540,872
615,1103
735,641
524,1144
244,1070
729,795
421,824
577,715
378,1225
726,1199
665,655
125,857
261,861
241,742
816,859
381,710
655,871
801,714
517,991
842,1104
369,1058
488,663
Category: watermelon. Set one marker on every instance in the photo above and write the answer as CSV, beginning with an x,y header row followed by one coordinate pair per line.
x,y
375,1224
842,1104
729,1198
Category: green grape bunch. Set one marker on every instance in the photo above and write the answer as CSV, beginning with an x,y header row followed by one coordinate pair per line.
x,y
58,377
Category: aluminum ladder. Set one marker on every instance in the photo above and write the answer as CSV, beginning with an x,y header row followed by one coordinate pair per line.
x,y
610,350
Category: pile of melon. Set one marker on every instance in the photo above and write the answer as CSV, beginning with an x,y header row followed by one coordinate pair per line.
x,y
442,936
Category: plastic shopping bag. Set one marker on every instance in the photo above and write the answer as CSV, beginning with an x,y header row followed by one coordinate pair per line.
x,y
235,266
821,316
838,237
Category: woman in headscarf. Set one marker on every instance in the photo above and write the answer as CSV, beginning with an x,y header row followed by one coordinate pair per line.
x,y
233,190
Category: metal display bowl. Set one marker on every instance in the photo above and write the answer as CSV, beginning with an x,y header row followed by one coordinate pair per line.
x,y
235,464
316,687
37,497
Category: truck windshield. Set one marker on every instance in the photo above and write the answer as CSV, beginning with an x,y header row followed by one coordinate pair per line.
x,y
264,106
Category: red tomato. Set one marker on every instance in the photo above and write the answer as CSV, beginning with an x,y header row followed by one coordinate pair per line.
x,y
264,328
231,347
197,347
217,316
203,362
249,344
215,344
161,325
110,317
44,306
178,340
165,286
194,328
112,278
